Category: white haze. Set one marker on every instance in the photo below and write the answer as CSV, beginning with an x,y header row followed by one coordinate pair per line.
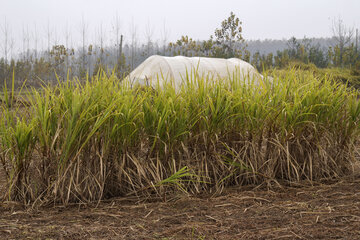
x,y
168,20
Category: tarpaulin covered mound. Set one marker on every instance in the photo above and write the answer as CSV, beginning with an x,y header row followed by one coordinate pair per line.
x,y
177,70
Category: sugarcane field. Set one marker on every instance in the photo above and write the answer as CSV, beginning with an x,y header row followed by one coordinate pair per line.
x,y
109,130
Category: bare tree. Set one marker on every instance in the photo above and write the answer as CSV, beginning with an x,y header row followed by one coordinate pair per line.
x,y
35,37
101,38
48,36
28,36
149,32
83,30
6,39
164,37
26,42
134,42
11,47
67,31
356,40
342,35
55,38
23,42
118,39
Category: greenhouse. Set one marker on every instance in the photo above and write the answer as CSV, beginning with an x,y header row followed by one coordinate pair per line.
x,y
159,69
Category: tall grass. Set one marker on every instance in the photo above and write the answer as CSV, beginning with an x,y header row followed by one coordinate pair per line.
x,y
101,138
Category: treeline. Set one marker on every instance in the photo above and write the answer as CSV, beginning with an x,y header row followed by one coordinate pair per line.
x,y
339,51
306,52
302,50
59,61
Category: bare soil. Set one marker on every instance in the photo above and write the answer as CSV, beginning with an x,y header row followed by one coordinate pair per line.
x,y
329,210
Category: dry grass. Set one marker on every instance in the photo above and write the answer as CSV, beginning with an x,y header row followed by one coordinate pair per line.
x,y
320,211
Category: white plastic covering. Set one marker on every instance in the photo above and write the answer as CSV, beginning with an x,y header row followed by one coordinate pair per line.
x,y
159,69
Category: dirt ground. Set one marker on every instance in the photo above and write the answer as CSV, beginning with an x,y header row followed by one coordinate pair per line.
x,y
328,210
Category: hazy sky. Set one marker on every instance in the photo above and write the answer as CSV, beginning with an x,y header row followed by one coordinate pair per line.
x,y
262,19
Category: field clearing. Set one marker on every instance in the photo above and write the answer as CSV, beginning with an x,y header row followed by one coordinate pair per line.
x,y
323,211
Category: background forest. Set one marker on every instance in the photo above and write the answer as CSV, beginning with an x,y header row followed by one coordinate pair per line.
x,y
61,60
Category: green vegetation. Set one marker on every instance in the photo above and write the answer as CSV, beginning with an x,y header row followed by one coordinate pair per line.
x,y
86,141
349,76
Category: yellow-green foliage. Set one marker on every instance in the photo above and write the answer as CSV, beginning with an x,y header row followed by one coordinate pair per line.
x,y
349,76
100,138
344,75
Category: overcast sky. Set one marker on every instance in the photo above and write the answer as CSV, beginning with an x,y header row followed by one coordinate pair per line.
x,y
262,19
